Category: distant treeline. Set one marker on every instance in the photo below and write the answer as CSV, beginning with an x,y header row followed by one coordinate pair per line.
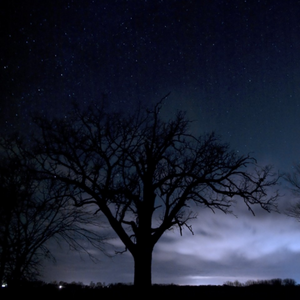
x,y
263,289
270,282
62,285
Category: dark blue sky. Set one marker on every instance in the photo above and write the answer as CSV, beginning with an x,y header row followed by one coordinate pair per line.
x,y
234,66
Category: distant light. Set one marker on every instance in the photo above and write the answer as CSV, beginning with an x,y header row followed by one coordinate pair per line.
x,y
60,287
4,285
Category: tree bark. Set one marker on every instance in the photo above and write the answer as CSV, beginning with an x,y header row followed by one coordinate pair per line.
x,y
144,240
143,265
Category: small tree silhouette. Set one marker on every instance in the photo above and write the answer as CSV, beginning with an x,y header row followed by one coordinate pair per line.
x,y
289,282
294,181
32,212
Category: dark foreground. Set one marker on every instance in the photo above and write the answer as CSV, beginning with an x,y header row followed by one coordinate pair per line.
x,y
177,292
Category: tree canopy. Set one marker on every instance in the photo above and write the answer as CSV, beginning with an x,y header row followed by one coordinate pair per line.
x,y
146,174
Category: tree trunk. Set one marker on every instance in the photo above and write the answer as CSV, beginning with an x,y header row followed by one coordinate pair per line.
x,y
143,265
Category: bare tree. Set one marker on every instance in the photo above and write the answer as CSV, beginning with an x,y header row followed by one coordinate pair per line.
x,y
294,181
32,212
145,174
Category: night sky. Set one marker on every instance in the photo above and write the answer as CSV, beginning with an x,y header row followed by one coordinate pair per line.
x,y
234,66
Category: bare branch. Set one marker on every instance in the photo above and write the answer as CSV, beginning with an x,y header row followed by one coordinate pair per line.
x,y
145,172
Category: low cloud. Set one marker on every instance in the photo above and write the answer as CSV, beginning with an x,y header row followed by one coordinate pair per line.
x,y
223,247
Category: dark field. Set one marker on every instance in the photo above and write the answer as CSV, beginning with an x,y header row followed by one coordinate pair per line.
x,y
177,292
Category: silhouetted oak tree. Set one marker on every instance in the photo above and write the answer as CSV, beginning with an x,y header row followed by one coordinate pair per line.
x,y
144,173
